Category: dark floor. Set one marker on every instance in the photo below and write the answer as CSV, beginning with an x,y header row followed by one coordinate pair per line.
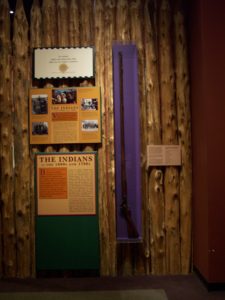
x,y
186,287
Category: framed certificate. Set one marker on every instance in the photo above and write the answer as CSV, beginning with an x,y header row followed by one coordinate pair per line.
x,y
63,62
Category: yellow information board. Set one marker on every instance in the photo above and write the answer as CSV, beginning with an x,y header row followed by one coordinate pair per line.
x,y
66,183
65,115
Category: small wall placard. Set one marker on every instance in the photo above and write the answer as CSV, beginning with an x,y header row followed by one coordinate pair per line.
x,y
163,155
63,62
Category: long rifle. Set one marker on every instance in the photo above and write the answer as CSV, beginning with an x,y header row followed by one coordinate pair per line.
x,y
125,211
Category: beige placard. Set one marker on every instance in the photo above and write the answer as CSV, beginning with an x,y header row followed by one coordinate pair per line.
x,y
163,155
66,184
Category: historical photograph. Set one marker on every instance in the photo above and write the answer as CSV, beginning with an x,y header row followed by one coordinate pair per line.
x,y
39,128
64,96
89,125
89,104
39,104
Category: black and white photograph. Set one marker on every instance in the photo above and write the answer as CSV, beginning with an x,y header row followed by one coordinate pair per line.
x,y
89,125
40,104
39,128
89,104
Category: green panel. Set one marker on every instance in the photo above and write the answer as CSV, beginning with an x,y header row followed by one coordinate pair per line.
x,y
67,243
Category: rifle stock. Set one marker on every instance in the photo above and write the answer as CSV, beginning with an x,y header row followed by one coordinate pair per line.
x,y
125,211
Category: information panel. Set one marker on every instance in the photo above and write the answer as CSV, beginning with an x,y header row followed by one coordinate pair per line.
x,y
65,115
163,155
66,183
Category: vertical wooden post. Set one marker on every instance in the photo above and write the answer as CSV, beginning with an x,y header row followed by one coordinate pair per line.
x,y
136,29
154,211
87,38
102,182
35,25
63,41
169,136
109,205
74,37
86,23
122,21
7,213
63,23
49,24
49,37
21,146
74,24
184,137
35,42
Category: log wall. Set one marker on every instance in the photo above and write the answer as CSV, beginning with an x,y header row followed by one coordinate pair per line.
x,y
158,30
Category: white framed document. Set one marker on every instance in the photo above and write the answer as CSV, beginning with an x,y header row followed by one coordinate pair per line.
x,y
77,62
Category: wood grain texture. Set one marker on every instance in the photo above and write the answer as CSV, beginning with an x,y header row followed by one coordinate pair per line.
x,y
154,211
122,21
74,23
49,24
109,36
100,75
87,39
63,23
21,83
184,136
49,39
86,22
169,136
7,211
35,42
35,25
63,41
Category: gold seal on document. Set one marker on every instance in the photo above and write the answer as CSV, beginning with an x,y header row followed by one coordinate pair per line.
x,y
63,68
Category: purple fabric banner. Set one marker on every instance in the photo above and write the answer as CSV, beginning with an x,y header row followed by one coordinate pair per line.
x,y
126,57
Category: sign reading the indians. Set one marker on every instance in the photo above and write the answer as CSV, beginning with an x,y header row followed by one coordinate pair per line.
x,y
65,115
63,62
66,183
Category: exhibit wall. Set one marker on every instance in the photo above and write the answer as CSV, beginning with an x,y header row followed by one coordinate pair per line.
x,y
158,30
